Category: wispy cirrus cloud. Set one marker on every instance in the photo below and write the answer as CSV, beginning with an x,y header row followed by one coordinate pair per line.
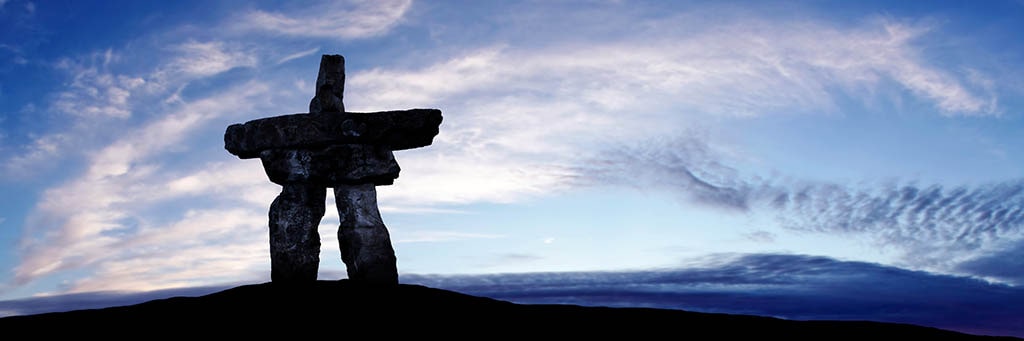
x,y
333,20
201,59
237,181
94,94
98,94
95,91
565,99
42,149
734,67
162,256
77,223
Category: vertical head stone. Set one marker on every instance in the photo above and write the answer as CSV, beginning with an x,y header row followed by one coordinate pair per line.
x,y
330,85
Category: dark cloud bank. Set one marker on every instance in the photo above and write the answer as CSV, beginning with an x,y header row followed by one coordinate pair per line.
x,y
94,300
976,231
787,286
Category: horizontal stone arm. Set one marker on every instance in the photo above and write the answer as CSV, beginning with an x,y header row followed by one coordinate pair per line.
x,y
345,164
396,130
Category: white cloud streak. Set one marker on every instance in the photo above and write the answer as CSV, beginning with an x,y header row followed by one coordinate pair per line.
x,y
95,96
516,120
232,245
242,180
342,20
734,69
201,59
298,55
80,222
42,149
95,92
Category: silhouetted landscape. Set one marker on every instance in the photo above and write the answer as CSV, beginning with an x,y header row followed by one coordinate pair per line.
x,y
344,308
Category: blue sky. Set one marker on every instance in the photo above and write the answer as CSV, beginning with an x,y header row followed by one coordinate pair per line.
x,y
607,137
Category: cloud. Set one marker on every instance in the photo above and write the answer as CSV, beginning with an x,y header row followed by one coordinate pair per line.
x,y
42,149
935,227
788,286
96,300
517,258
761,236
951,94
450,177
344,20
231,181
78,223
686,166
731,67
298,55
934,216
121,156
518,120
201,59
94,91
97,95
1002,265
232,248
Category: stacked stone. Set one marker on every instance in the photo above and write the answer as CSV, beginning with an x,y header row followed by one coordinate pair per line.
x,y
330,148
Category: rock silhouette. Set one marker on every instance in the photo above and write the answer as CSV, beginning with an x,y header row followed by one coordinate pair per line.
x,y
329,147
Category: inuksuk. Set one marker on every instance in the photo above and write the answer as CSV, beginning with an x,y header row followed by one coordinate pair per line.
x,y
327,147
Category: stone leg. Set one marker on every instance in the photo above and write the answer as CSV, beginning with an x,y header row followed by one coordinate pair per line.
x,y
294,240
365,243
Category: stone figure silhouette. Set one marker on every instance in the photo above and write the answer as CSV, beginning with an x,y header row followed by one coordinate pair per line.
x,y
328,147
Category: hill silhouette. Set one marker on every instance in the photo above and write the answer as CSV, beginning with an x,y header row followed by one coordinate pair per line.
x,y
344,308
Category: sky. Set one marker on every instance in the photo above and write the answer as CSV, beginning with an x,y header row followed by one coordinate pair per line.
x,y
797,159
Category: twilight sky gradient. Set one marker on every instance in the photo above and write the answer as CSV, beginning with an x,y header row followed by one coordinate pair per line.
x,y
807,159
